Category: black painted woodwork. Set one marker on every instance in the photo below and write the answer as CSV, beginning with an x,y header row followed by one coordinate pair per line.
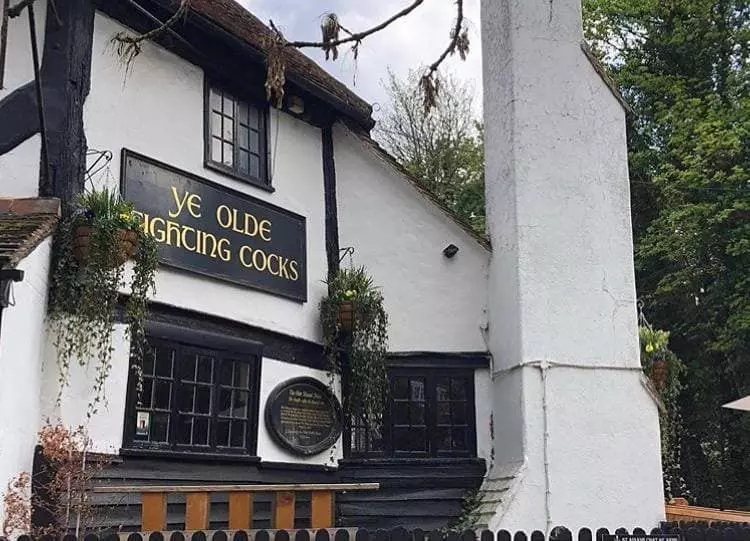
x,y
702,531
148,184
276,345
413,494
417,426
18,117
331,209
124,510
42,476
318,420
65,79
181,346
227,59
262,180
439,359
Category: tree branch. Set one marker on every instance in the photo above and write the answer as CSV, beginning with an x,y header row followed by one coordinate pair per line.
x,y
353,37
456,37
128,46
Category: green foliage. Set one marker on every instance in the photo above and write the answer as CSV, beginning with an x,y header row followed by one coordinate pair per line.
x,y
654,347
363,368
469,515
444,150
683,66
84,295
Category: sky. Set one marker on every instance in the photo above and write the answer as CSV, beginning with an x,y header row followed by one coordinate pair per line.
x,y
412,42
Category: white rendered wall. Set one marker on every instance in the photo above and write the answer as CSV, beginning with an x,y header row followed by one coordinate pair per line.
x,y
19,68
274,373
19,169
433,303
157,110
483,405
562,287
21,350
106,426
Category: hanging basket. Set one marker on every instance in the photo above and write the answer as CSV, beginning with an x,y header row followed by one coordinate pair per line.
x,y
346,316
659,372
127,240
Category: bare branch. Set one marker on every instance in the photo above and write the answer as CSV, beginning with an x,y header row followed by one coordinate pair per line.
x,y
459,41
354,37
128,46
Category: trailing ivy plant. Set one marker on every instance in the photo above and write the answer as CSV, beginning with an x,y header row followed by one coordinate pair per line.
x,y
655,350
358,355
85,290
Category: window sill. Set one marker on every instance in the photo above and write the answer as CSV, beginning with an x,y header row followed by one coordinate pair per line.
x,y
184,455
257,183
383,461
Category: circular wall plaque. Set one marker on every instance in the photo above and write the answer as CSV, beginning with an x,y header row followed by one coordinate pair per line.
x,y
304,416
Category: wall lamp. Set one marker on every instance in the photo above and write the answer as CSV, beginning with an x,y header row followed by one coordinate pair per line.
x,y
7,277
450,251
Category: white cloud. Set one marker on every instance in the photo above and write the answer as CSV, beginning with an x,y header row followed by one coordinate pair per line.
x,y
410,43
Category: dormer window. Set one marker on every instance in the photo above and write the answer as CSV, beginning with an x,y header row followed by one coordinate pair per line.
x,y
236,137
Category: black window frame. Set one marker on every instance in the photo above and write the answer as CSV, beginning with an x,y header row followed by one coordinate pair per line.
x,y
264,180
220,346
431,376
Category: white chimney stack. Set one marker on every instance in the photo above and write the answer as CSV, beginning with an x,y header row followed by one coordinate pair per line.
x,y
576,430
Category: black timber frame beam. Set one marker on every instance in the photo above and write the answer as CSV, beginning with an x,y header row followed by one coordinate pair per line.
x,y
65,78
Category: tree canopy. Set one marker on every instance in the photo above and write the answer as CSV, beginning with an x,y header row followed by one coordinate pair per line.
x,y
683,66
442,149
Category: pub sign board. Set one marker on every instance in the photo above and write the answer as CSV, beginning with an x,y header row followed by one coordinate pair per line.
x,y
202,227
303,416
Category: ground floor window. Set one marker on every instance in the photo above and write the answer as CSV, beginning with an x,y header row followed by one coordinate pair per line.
x,y
430,413
199,395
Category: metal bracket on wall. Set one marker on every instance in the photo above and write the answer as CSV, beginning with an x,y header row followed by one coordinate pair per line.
x,y
347,251
7,277
103,159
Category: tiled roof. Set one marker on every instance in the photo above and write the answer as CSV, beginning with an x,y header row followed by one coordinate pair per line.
x,y
24,223
236,20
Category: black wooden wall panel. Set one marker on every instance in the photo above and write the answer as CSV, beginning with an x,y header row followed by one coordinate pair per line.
x,y
412,495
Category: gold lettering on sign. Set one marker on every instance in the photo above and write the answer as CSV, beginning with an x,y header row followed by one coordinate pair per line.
x,y
192,239
193,202
305,415
243,223
273,257
187,229
265,230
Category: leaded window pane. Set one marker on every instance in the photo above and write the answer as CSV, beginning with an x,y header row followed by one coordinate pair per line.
x,y
430,413
195,399
236,136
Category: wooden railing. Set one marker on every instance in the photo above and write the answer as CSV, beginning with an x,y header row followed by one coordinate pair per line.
x,y
678,510
198,503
